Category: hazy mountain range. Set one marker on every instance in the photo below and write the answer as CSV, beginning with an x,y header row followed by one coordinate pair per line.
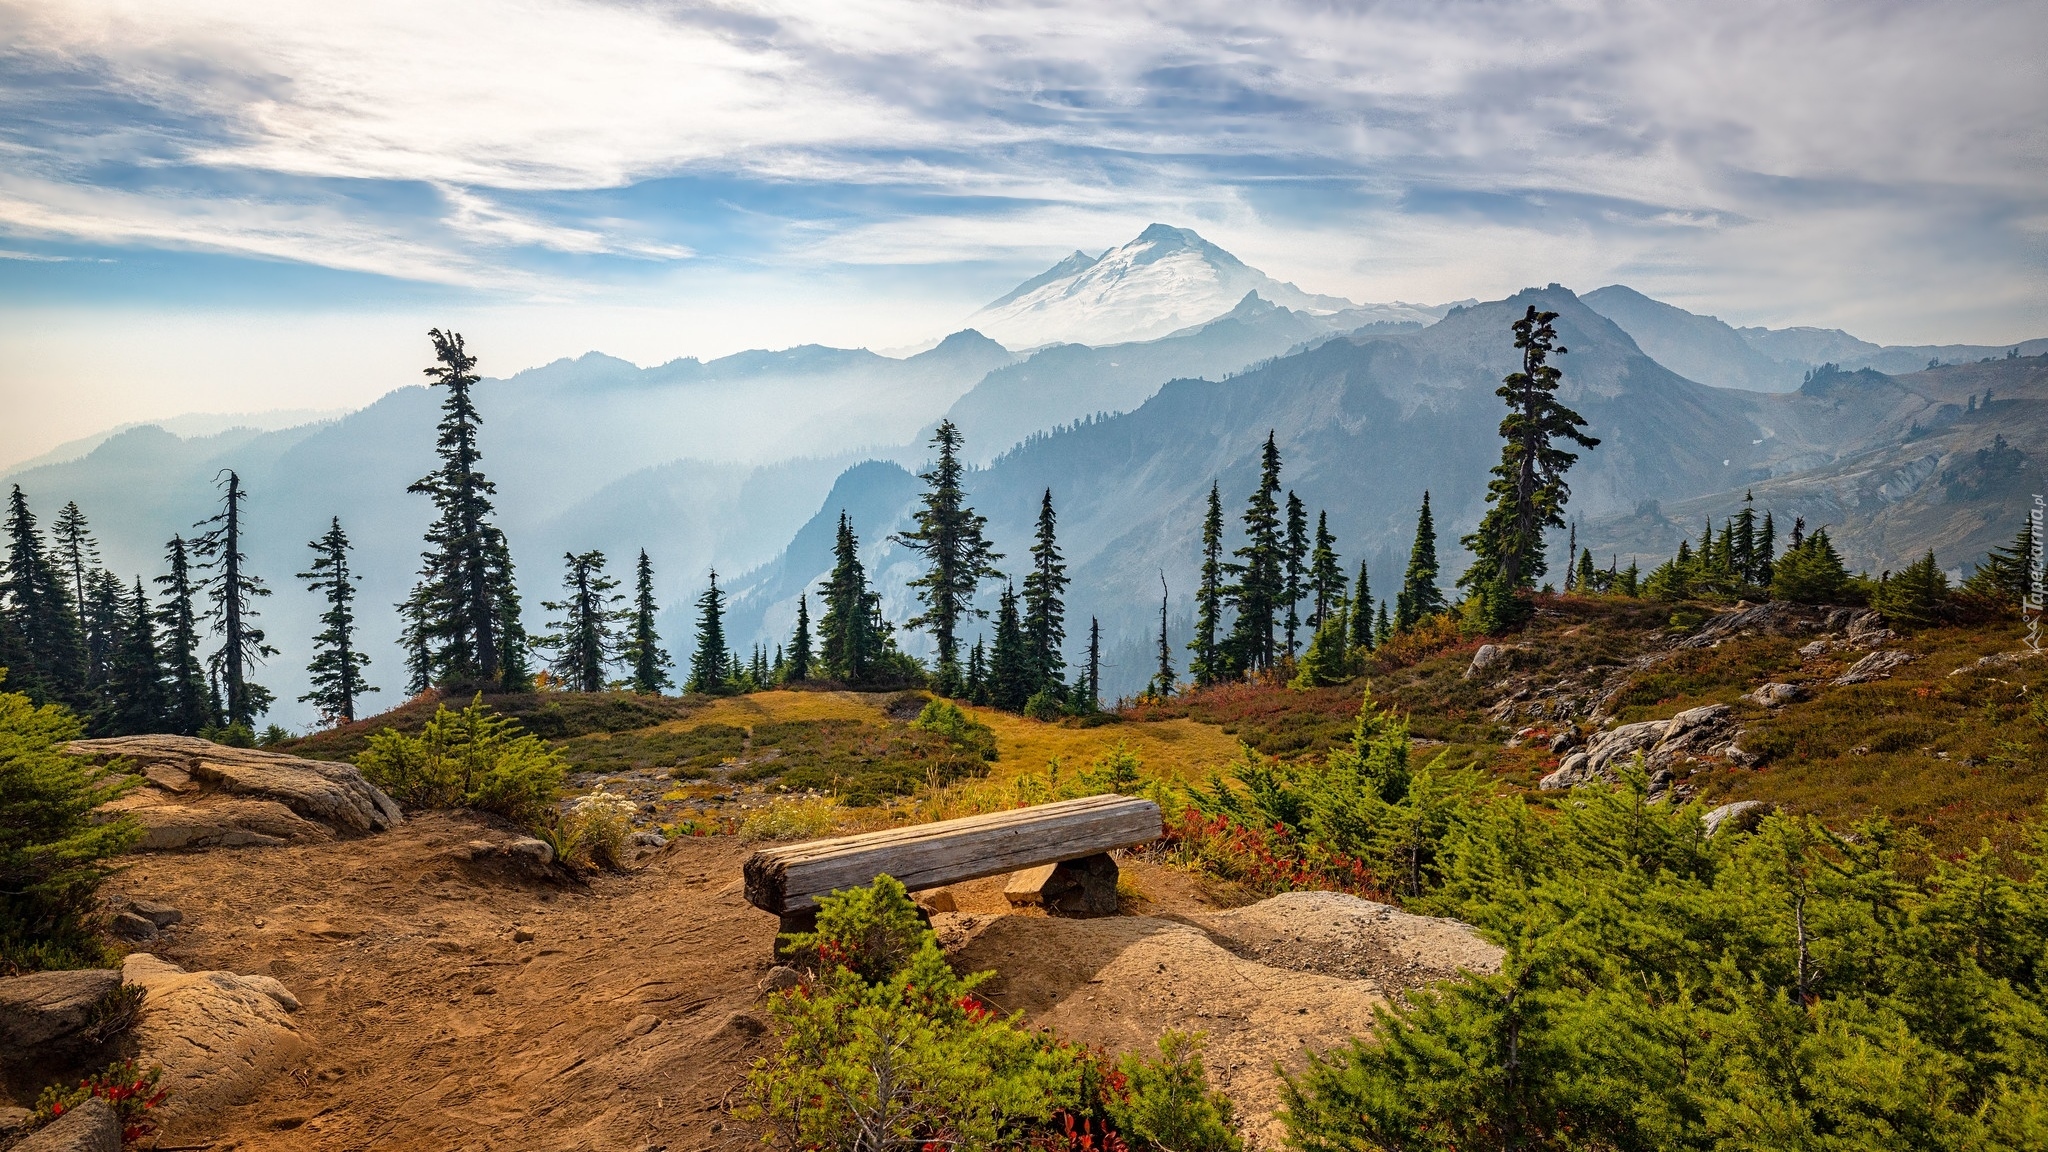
x,y
744,463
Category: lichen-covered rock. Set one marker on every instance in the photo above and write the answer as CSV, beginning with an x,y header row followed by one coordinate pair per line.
x,y
1696,733
1773,695
216,1035
335,795
1876,666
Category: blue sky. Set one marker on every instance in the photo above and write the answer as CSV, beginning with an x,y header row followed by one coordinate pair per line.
x,y
194,194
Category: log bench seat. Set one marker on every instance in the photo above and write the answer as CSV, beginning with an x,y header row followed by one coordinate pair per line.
x,y
1069,834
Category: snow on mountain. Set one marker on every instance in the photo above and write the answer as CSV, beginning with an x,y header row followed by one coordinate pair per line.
x,y
1165,280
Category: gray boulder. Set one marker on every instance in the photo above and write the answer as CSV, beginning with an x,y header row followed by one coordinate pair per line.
x,y
1487,656
216,1035
92,1125
1773,695
1693,734
1876,666
1741,816
44,1006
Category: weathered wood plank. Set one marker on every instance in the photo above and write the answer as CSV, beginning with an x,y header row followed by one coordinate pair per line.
x,y
787,880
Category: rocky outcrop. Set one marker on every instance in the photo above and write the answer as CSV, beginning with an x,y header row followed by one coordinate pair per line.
x,y
1694,734
1876,666
91,1125
1772,618
43,1007
202,795
216,1035
1486,657
1774,695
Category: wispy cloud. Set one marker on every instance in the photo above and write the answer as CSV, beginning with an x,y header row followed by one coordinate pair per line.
x,y
1741,145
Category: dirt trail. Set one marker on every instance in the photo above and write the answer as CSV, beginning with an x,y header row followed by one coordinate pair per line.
x,y
629,1020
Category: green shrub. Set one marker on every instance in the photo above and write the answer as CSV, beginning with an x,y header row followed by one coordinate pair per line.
x,y
885,1047
1167,1104
52,853
467,759
1786,988
945,718
1045,706
236,735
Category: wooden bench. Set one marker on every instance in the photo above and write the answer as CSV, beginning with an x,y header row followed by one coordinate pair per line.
x,y
1075,835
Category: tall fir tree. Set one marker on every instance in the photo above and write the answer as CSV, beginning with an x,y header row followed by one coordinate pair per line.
x,y
1766,552
710,671
74,550
135,676
1584,579
1325,577
1208,665
958,557
1528,492
644,654
1009,665
1571,552
1045,610
1163,678
103,615
1091,698
336,672
1363,638
466,601
186,707
1419,598
588,638
1383,631
231,593
1260,572
977,672
416,637
1294,578
847,643
1745,540
45,644
798,667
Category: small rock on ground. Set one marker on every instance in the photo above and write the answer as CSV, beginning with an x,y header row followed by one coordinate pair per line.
x,y
91,1126
44,1006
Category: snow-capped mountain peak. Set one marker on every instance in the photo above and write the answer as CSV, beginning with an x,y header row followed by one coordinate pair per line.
x,y
1165,280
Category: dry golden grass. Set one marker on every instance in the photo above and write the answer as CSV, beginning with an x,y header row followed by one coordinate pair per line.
x,y
763,707
1180,750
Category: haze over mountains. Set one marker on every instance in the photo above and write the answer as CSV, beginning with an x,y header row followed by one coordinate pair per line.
x,y
743,463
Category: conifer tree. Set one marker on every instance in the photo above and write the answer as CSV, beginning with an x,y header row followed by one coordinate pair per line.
x,y
2007,574
1045,610
186,709
1810,573
47,646
1295,569
231,592
977,672
416,636
588,638
949,535
710,670
103,615
798,667
1325,578
1260,583
1163,679
1528,490
1384,630
74,550
337,668
135,682
1584,580
1363,638
1009,665
848,643
1091,699
1571,552
1744,540
1766,552
1916,596
1419,597
1207,666
467,602
644,654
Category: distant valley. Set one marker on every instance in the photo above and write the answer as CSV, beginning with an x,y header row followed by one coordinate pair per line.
x,y
744,463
